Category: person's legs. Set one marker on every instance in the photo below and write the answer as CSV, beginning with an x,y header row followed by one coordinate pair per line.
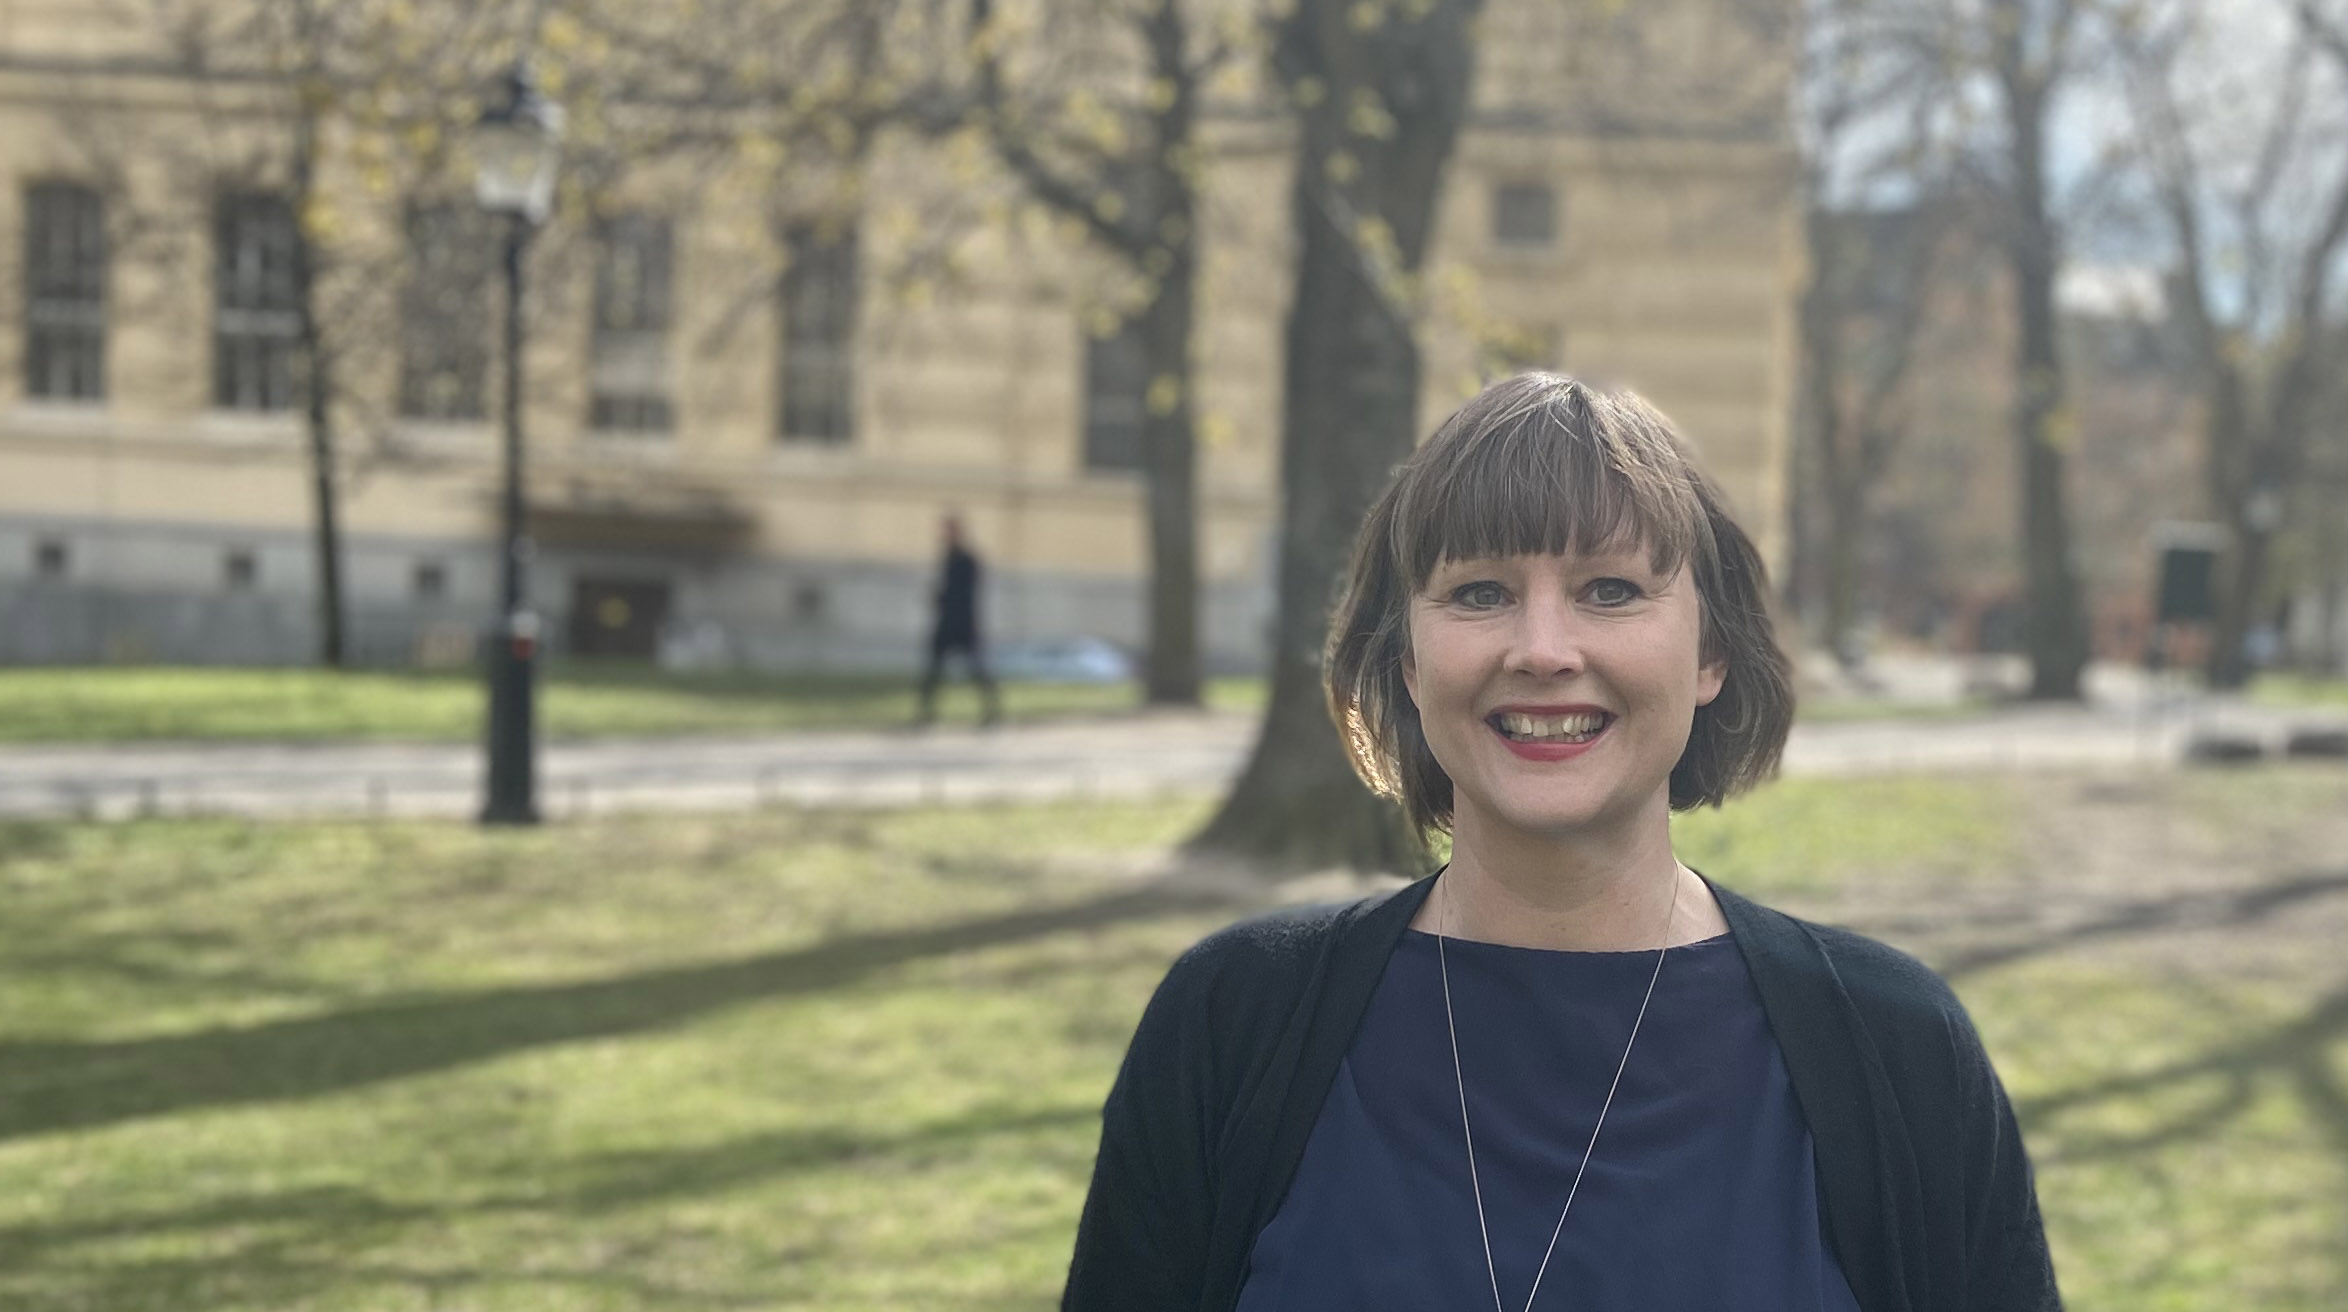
x,y
976,654
929,680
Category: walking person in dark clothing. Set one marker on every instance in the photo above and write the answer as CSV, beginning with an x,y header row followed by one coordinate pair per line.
x,y
957,627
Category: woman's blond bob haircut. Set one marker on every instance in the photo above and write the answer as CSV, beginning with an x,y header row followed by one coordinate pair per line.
x,y
1541,465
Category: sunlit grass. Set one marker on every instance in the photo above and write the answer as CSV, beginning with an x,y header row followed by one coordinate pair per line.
x,y
2301,690
849,1062
145,704
1806,835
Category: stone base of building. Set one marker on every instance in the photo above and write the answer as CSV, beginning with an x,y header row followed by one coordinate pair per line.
x,y
86,593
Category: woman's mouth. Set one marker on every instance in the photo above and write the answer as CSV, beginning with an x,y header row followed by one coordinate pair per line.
x,y
1550,738
1561,736
1569,728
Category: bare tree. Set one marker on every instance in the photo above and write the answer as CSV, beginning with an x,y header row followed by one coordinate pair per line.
x,y
1127,167
1379,106
2240,140
1875,200
1871,276
2029,49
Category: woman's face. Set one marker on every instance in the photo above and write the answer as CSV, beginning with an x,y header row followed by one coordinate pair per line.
x,y
1557,691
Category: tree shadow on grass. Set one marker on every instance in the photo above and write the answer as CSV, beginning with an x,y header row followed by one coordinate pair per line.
x,y
2296,1057
593,1184
2201,1097
52,1086
27,840
2202,909
283,1275
617,1180
2298,1050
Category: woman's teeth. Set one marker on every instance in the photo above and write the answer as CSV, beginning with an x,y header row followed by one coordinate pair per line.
x,y
1551,728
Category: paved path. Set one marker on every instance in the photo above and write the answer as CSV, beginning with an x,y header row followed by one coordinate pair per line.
x,y
1141,754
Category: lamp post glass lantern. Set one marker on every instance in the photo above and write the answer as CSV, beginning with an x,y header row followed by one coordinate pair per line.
x,y
516,146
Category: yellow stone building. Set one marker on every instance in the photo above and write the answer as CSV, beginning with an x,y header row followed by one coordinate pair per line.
x,y
742,438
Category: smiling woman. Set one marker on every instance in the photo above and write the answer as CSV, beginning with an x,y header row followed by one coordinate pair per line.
x,y
1637,1090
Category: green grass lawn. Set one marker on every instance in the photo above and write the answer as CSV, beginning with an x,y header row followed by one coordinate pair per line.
x,y
854,1062
1843,710
135,704
2301,690
144,704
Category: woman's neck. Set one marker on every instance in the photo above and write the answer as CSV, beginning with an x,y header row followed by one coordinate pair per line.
x,y
1524,890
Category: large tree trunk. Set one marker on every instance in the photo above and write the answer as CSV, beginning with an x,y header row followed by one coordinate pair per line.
x,y
1823,568
2255,457
2227,442
1349,412
1169,417
1348,417
1845,514
1155,236
317,403
1797,588
1170,458
333,651
2055,624
2241,586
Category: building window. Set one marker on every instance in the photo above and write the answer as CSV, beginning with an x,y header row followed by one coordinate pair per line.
x,y
819,335
1116,380
239,570
51,559
256,325
431,580
1524,214
630,368
444,314
64,292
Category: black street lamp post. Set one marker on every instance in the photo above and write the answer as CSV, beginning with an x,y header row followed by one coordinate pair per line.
x,y
517,144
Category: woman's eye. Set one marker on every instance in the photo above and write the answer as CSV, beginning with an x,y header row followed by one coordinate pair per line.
x,y
1614,592
1479,596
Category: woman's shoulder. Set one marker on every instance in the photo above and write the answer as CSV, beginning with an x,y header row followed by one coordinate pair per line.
x,y
1884,983
1268,946
1252,973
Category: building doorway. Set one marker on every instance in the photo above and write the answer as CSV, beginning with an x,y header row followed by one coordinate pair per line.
x,y
618,618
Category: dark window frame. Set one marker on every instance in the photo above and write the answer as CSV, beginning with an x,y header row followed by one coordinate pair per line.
x,y
818,310
1116,399
1524,214
256,310
65,267
240,569
629,373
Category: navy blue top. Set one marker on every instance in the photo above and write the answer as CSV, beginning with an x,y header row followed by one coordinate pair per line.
x,y
1701,1194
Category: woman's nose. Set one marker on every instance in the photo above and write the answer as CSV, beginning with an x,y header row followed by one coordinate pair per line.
x,y
1547,639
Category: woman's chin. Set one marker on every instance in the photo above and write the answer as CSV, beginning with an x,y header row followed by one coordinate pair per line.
x,y
1548,819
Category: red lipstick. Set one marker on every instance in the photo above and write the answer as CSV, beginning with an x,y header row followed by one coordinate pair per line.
x,y
1549,751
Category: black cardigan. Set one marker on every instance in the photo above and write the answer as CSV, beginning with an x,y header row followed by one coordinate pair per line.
x,y
1926,1192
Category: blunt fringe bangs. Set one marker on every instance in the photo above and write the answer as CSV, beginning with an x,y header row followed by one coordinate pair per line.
x,y
1543,464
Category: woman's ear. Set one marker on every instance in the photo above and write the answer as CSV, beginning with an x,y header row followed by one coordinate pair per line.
x,y
1710,676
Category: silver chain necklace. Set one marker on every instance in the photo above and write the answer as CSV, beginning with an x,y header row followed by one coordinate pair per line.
x,y
1475,1184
